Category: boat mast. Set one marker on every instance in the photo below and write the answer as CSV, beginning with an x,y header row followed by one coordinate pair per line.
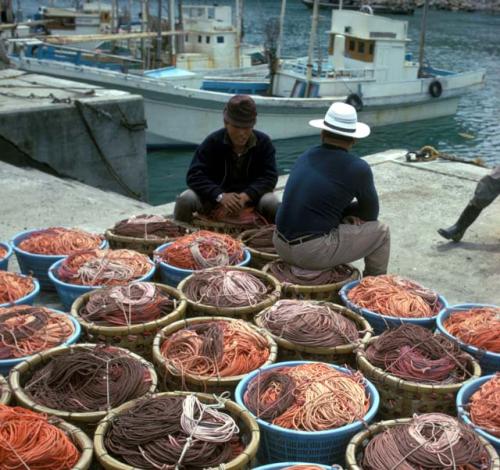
x,y
422,39
280,35
158,37
171,17
238,6
314,27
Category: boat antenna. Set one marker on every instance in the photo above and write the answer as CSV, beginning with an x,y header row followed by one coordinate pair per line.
x,y
281,27
422,39
314,27
171,17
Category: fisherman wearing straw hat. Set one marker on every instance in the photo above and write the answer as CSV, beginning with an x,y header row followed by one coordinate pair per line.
x,y
330,205
234,167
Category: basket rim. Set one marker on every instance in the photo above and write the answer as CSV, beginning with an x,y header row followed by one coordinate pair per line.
x,y
374,429
356,273
160,361
28,297
235,410
111,235
6,395
9,249
341,349
85,417
272,297
448,311
256,253
131,329
367,367
80,439
370,414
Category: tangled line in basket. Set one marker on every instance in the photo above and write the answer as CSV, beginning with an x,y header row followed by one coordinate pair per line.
x,y
133,303
14,286
215,349
103,267
479,327
308,324
429,441
59,241
246,217
89,380
484,406
290,274
29,441
412,352
171,431
149,227
308,397
261,239
26,330
395,296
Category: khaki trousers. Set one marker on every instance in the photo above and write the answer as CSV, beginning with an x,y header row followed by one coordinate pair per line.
x,y
347,243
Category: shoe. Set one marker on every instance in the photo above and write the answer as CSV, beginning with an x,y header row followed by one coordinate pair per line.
x,y
456,232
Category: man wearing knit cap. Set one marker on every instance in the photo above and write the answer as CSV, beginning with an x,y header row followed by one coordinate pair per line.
x,y
234,167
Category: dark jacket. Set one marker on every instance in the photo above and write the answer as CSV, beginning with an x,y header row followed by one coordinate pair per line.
x,y
209,172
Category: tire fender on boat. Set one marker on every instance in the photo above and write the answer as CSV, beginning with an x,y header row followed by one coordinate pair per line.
x,y
435,88
355,101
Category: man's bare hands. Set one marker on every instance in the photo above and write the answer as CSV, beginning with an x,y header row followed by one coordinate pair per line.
x,y
244,198
231,202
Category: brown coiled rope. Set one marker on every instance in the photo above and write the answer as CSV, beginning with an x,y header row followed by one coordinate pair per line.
x,y
261,239
287,273
137,302
225,287
412,352
308,324
485,406
90,379
26,330
150,227
429,441
168,432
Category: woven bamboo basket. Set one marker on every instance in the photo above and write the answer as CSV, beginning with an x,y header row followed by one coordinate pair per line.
x,y
137,338
341,355
219,227
143,245
401,398
328,292
259,258
80,439
246,423
23,372
357,444
172,379
5,393
245,313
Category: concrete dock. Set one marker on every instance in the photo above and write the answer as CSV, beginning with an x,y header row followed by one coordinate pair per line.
x,y
416,199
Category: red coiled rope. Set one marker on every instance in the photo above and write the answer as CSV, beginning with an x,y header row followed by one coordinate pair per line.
x,y
150,227
26,330
395,296
290,274
485,406
59,241
479,327
13,287
203,249
29,442
103,267
248,217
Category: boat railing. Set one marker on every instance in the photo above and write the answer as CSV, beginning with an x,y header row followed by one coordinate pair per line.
x,y
327,71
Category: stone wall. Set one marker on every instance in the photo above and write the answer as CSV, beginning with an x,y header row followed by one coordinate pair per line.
x,y
462,5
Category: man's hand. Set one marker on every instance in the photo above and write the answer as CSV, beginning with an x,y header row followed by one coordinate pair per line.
x,y
244,198
231,202
353,220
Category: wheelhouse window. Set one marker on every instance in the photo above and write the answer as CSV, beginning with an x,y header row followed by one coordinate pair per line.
x,y
220,39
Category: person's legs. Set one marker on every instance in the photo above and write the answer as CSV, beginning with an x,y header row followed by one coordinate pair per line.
x,y
186,204
268,206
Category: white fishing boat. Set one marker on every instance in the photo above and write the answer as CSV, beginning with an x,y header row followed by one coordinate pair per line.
x,y
367,66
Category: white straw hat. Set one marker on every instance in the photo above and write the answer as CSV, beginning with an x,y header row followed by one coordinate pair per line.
x,y
341,118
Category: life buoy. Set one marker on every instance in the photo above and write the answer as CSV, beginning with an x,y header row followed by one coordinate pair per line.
x,y
435,89
366,9
355,101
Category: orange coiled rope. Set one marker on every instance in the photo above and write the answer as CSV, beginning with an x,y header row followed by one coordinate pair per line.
x,y
29,441
3,252
26,330
13,287
485,406
216,349
395,296
103,267
308,397
248,217
478,327
203,249
59,241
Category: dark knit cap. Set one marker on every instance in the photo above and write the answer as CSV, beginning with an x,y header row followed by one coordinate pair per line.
x,y
241,111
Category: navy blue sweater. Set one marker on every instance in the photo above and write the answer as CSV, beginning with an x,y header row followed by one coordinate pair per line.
x,y
213,164
320,192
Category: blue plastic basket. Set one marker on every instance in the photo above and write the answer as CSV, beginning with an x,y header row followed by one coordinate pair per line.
x,y
68,293
463,398
37,265
27,299
489,361
7,364
4,262
172,275
379,322
280,466
280,445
